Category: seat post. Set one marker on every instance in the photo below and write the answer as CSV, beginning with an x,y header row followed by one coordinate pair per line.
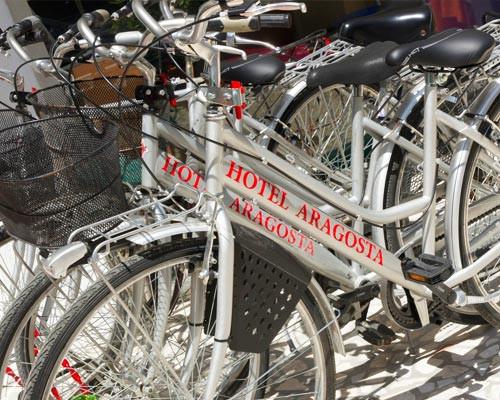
x,y
357,144
357,158
429,164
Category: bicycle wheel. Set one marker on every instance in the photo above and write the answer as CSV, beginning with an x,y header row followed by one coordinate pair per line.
x,y
318,122
31,316
403,183
479,217
405,179
18,260
136,342
29,319
14,366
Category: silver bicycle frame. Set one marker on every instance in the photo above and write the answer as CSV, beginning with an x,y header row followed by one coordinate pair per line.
x,y
392,270
259,202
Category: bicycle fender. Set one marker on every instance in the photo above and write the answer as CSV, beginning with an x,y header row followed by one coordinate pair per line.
x,y
58,262
484,101
409,102
285,101
170,230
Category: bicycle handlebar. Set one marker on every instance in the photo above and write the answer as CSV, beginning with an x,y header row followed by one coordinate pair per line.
x,y
224,23
27,25
97,19
281,6
10,78
146,19
165,9
123,12
123,54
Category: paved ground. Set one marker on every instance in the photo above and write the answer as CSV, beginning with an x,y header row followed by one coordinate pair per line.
x,y
452,362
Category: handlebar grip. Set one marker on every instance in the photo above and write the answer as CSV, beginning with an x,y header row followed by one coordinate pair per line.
x,y
26,25
125,11
34,37
251,24
234,25
69,34
276,21
97,19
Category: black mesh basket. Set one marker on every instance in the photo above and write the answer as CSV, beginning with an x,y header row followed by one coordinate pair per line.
x,y
98,101
10,118
57,175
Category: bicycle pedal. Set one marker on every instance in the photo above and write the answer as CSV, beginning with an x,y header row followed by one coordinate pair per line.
x,y
361,294
427,269
376,333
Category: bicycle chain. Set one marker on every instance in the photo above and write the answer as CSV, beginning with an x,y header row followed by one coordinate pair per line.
x,y
484,215
412,321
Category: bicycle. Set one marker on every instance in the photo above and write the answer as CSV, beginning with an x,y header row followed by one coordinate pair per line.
x,y
193,175
290,208
326,55
312,314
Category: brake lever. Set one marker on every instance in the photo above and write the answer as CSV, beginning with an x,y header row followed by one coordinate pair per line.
x,y
235,40
283,6
230,50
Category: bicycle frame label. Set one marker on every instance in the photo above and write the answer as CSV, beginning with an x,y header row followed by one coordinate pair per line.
x,y
252,185
317,220
341,234
182,173
272,225
252,181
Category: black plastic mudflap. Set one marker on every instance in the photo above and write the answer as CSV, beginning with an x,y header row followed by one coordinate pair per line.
x,y
268,283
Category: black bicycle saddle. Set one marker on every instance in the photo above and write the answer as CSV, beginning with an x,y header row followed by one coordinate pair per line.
x,y
365,67
453,48
255,70
400,25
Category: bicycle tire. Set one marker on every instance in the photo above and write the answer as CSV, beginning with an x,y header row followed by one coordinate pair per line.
x,y
71,328
34,312
17,265
29,319
15,319
405,178
475,238
318,121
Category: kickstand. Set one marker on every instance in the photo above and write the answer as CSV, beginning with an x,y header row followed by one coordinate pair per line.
x,y
411,346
